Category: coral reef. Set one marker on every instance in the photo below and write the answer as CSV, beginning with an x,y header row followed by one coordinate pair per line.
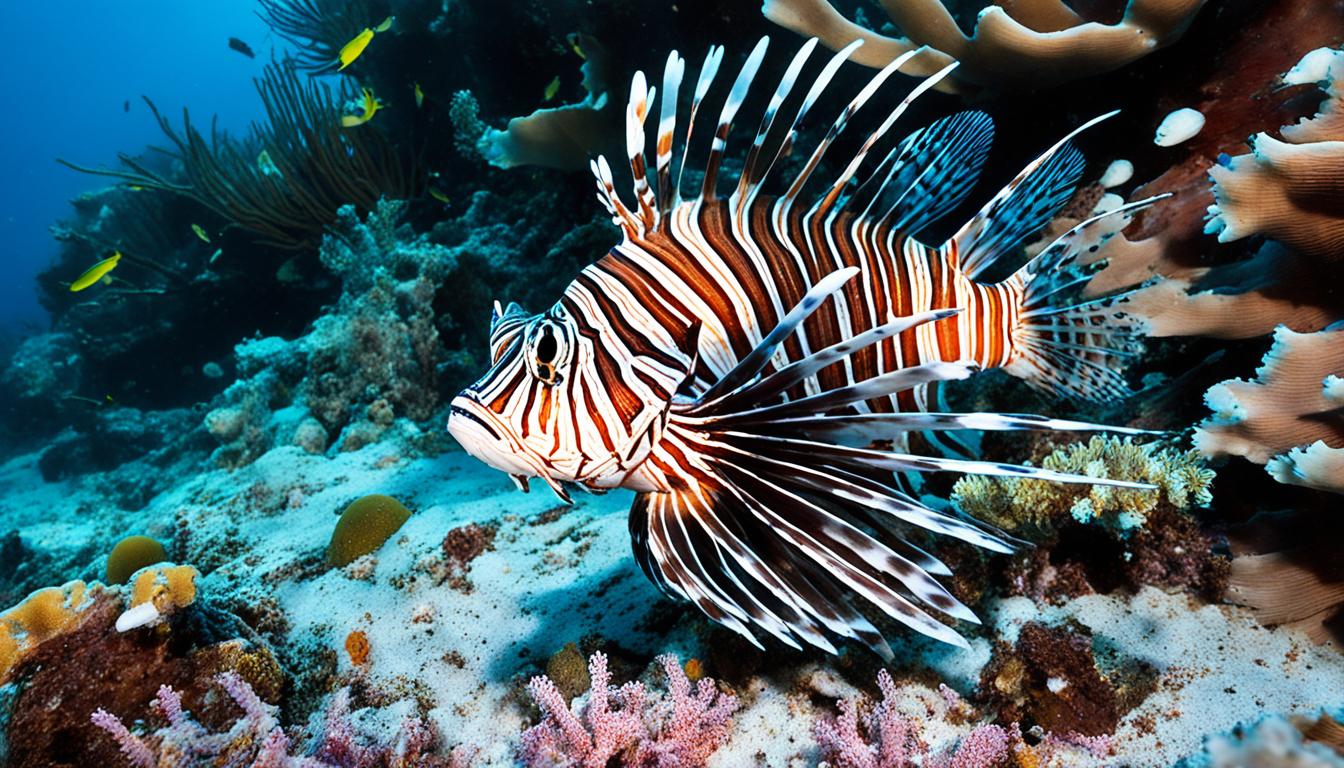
x,y
363,527
556,137
257,739
1181,481
1017,44
686,730
890,734
1289,418
1289,189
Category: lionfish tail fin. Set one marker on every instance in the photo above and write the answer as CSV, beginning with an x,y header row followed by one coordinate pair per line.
x,y
1068,341
781,516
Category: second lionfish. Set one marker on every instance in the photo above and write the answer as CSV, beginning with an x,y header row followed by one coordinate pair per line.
x,y
752,366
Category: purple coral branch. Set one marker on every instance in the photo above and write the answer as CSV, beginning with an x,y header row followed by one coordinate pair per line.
x,y
136,751
681,731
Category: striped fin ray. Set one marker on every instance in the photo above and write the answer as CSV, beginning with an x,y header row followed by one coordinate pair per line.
x,y
736,96
667,126
823,206
749,182
1069,345
636,112
1023,207
772,507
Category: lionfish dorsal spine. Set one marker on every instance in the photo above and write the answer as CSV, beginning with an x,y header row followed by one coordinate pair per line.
x,y
824,205
738,94
673,73
636,113
748,182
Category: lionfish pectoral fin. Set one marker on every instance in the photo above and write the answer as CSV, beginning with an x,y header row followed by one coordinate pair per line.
x,y
777,525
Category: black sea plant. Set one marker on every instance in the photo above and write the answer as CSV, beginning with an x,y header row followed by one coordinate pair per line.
x,y
285,181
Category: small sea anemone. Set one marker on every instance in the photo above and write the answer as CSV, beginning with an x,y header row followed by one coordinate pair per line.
x,y
364,526
130,555
1182,481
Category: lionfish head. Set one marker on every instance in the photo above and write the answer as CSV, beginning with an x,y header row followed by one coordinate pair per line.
x,y
564,404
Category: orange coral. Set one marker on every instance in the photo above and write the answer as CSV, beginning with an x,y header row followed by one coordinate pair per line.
x,y
357,645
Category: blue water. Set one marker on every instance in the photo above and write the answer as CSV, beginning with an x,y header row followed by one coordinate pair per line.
x,y
71,65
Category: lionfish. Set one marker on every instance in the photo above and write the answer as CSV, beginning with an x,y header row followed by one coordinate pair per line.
x,y
752,366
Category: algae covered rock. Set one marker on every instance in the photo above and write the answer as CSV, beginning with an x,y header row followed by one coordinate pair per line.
x,y
364,526
130,555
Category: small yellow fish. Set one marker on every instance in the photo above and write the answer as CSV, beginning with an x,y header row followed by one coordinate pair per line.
x,y
371,106
385,24
96,272
439,195
575,47
552,88
351,50
200,233
419,96
135,187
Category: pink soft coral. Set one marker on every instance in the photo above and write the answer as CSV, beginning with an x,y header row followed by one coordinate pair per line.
x,y
884,738
682,731
257,740
888,739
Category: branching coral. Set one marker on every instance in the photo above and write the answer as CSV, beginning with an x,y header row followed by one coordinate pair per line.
x,y
319,28
256,738
1291,190
889,735
1291,417
1027,43
315,165
683,730
1181,479
382,244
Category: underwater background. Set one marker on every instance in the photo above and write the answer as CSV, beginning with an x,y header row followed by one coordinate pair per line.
x,y
254,251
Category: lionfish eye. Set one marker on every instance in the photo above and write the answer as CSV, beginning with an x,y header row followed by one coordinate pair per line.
x,y
546,353
546,347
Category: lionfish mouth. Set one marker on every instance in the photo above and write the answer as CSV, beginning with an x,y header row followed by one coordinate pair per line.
x,y
481,434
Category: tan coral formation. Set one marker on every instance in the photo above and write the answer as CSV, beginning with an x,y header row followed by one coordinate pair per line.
x,y
562,137
1291,189
1295,402
1016,43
